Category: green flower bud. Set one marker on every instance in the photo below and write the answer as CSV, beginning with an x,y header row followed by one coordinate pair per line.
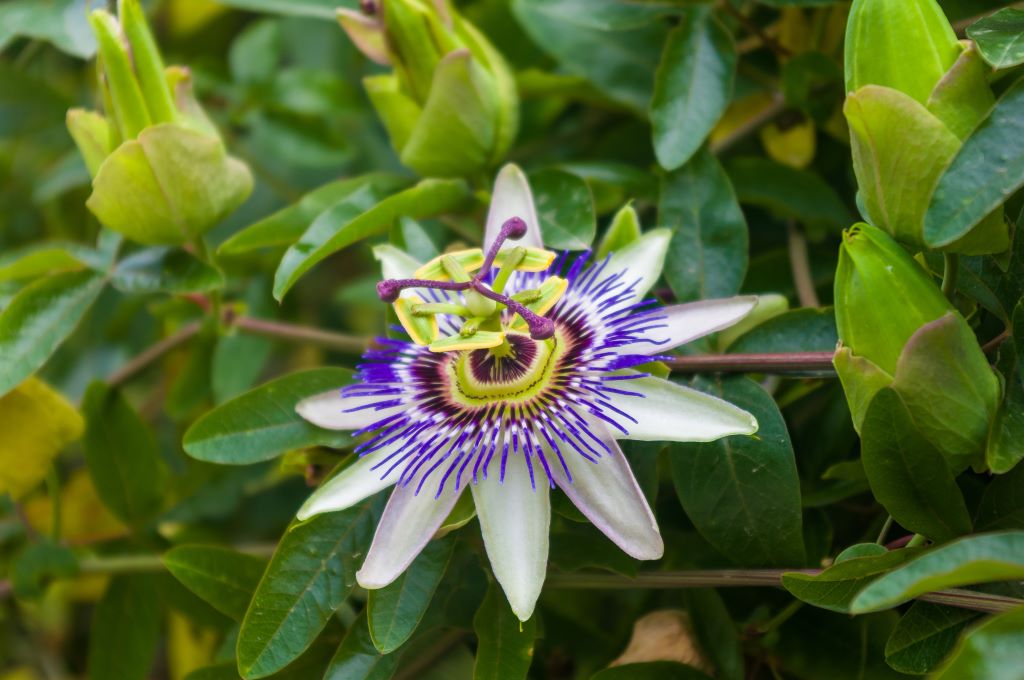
x,y
897,329
450,104
915,93
161,174
906,45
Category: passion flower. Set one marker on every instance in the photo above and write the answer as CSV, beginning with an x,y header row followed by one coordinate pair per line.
x,y
519,375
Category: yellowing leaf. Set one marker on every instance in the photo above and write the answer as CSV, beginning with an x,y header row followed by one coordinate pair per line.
x,y
84,518
37,423
793,146
188,646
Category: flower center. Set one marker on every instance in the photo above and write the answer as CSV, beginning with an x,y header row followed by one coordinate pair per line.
x,y
481,377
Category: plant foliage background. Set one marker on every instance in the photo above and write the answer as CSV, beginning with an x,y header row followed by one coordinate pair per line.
x,y
151,461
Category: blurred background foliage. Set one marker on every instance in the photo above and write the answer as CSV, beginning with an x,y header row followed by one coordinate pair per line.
x,y
283,85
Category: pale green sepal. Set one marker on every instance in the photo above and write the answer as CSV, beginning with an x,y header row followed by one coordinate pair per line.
x,y
899,151
861,381
623,230
506,123
91,133
398,112
149,66
190,112
456,130
422,329
962,99
366,33
949,388
395,263
168,186
479,340
130,110
643,259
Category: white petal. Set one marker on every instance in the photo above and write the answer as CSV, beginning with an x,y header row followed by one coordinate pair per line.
x,y
687,322
644,258
512,198
395,263
332,411
607,493
673,413
350,486
408,523
515,520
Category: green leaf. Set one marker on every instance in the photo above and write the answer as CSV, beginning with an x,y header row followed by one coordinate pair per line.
x,y
907,474
125,629
742,492
924,636
692,87
122,456
1005,446
717,634
168,186
165,270
38,319
619,58
222,577
788,193
262,423
505,646
1002,503
990,650
397,609
358,659
1000,37
707,257
565,208
798,330
43,258
650,670
285,226
365,212
835,588
59,22
623,230
312,572
986,171
981,558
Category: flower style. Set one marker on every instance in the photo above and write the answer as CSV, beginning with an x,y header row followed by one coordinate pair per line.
x,y
518,378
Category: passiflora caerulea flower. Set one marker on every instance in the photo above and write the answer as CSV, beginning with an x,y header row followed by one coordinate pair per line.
x,y
519,376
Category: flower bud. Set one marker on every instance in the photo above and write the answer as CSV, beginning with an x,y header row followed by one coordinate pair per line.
x,y
161,174
897,329
450,105
906,45
915,93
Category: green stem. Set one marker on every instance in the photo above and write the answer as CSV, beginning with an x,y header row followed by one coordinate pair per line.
x,y
154,352
950,272
800,264
885,530
283,331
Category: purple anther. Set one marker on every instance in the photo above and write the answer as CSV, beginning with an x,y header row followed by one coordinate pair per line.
x,y
389,289
541,328
513,228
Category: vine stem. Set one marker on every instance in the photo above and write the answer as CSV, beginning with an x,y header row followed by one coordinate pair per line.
x,y
790,362
154,352
950,273
800,263
651,580
315,336
731,578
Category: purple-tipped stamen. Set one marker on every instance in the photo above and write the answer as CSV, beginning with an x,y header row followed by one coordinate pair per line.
x,y
541,328
513,228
